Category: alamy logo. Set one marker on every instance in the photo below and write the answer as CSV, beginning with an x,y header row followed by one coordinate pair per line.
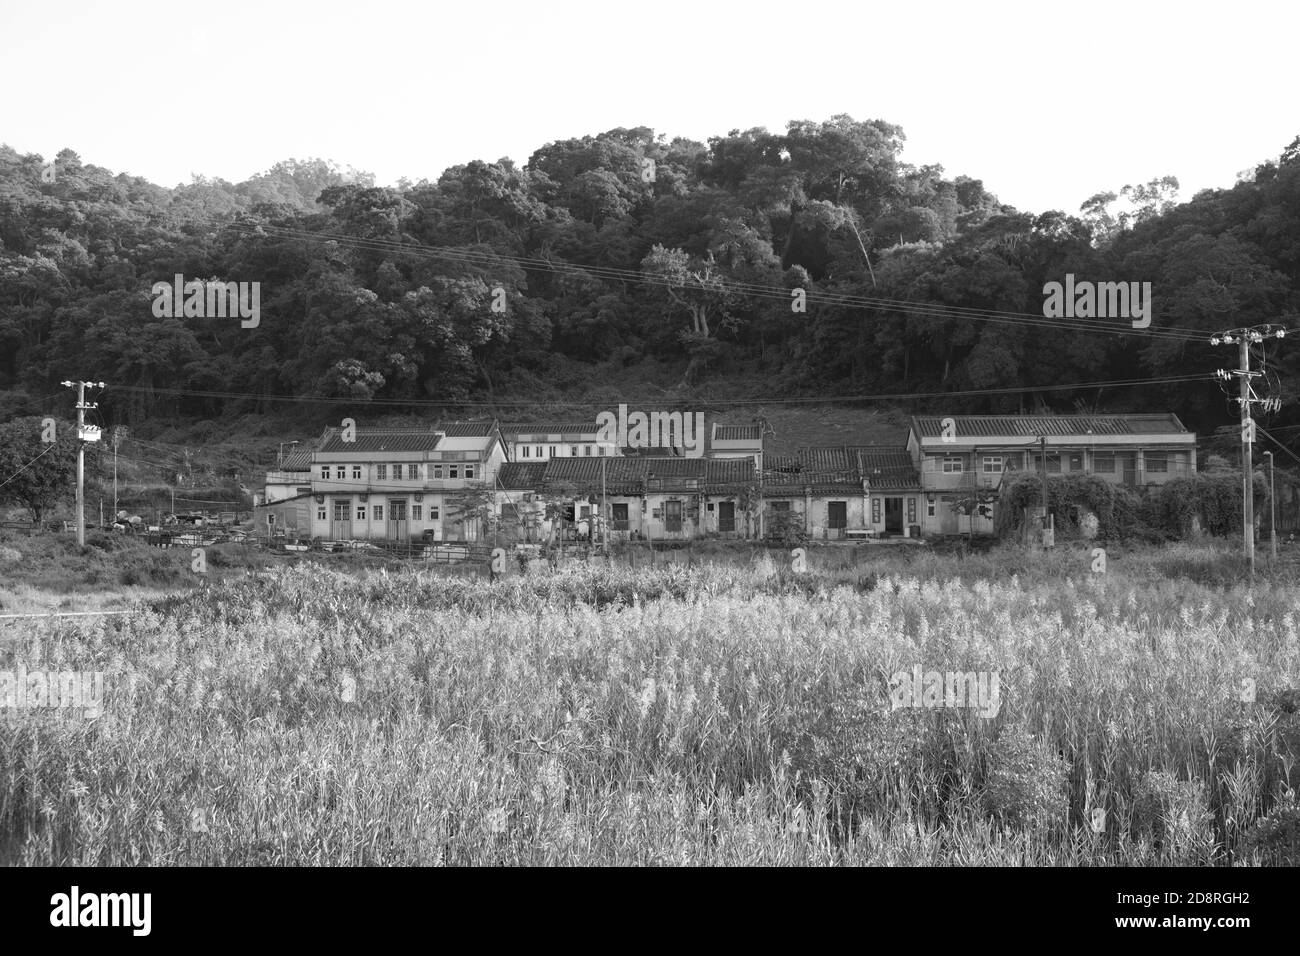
x,y
1098,300
102,909
65,690
655,430
197,299
976,689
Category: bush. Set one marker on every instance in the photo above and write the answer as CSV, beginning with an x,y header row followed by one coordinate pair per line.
x,y
1274,839
1025,786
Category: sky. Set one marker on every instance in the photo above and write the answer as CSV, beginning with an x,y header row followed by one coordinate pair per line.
x,y
1047,104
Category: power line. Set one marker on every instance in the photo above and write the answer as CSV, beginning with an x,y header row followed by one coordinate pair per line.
x,y
48,449
926,310
815,400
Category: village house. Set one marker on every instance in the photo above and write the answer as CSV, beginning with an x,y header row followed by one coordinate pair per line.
x,y
842,492
964,459
546,440
393,484
660,499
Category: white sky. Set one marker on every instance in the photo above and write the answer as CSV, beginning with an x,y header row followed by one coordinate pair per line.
x,y
1047,104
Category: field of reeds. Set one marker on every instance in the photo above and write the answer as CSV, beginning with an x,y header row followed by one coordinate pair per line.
x,y
673,715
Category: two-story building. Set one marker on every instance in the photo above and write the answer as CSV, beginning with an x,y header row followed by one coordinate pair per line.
x,y
963,459
397,484
546,440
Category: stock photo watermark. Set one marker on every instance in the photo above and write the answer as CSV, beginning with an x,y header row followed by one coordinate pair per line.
x,y
66,691
1098,300
208,299
977,690
653,430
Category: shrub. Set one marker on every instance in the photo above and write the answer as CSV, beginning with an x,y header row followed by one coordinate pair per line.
x,y
1025,786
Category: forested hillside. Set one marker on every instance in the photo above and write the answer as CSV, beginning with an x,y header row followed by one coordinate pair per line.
x,y
630,257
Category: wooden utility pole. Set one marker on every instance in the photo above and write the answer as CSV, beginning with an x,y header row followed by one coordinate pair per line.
x,y
82,438
1247,464
1242,338
1042,445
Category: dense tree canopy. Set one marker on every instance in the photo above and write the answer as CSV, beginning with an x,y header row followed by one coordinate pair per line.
x,y
628,249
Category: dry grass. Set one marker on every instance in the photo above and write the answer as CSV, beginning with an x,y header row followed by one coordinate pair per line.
x,y
703,716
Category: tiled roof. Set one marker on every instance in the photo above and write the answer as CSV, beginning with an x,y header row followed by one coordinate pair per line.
x,y
521,475
738,433
1034,426
297,461
573,429
839,469
479,429
381,439
885,467
627,476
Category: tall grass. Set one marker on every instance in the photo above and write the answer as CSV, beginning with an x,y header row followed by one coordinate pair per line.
x,y
668,716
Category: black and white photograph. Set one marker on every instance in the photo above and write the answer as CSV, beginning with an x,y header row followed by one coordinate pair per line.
x,y
826,436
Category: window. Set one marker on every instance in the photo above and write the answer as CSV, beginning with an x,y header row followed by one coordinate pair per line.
x,y
379,512
413,471
453,471
433,512
875,511
992,465
527,451
469,471
320,513
1053,461
555,450
1157,462
540,453
618,517
778,505
340,472
416,512
911,511
381,472
356,472
573,451
437,471
951,466
1104,462
361,512
602,451
587,452
929,509
325,472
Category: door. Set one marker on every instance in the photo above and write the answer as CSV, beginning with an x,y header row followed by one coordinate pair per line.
x,y
894,515
399,528
673,517
726,516
341,525
837,517
948,515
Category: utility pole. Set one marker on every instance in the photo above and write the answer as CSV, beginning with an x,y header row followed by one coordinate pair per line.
x,y
1042,447
83,435
1272,512
1243,338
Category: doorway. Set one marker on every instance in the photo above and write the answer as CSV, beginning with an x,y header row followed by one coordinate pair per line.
x,y
894,515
